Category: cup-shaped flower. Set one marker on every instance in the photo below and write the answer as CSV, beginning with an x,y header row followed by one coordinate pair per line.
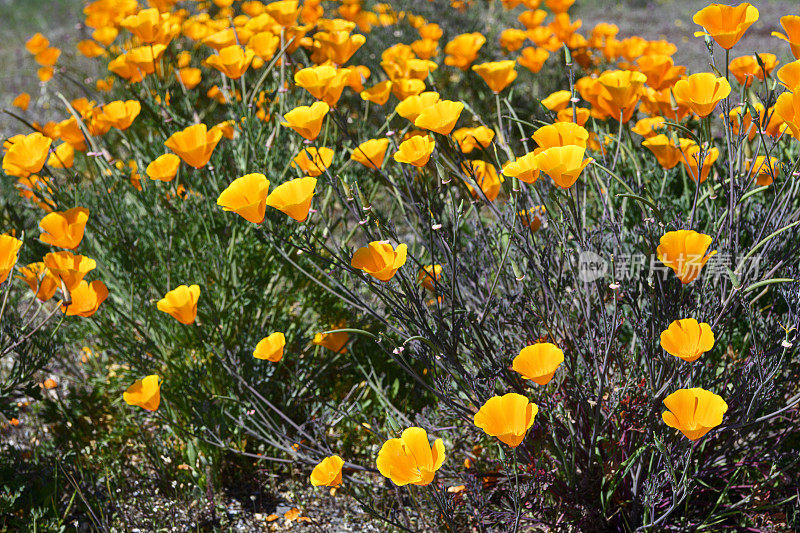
x,y
328,473
429,276
145,393
690,158
497,74
725,24
694,412
85,298
335,341
247,197
371,153
68,268
324,82
789,76
463,49
412,107
9,251
687,339
404,88
62,157
684,251
469,139
189,77
533,58
441,117
787,107
523,168
411,459
764,169
538,362
563,164
39,278
307,120
702,92
666,152
746,68
64,228
379,259
557,101
270,347
560,134
233,61
181,303
293,197
378,93
415,151
283,11
148,25
164,167
313,161
485,175
194,144
791,25
26,154
119,114
145,58
507,417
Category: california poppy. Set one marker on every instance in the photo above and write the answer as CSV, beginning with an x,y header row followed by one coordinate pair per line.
x,y
507,417
666,152
85,298
538,362
293,197
22,100
247,197
121,114
690,157
694,412
497,74
416,151
470,138
39,278
69,268
145,393
429,276
164,167
26,155
684,251
9,249
64,228
702,92
335,341
563,164
371,153
463,49
195,144
791,25
181,303
328,473
411,459
441,117
485,175
560,134
379,259
412,107
324,82
233,61
687,339
313,161
271,347
307,120
379,93
725,24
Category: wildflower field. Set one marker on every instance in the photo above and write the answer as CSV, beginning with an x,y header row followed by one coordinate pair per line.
x,y
446,265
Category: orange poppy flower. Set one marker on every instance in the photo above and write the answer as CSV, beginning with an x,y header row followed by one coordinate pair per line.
x,y
563,164
497,74
415,151
507,417
660,70
746,68
684,251
313,161
379,93
9,250
560,134
26,155
293,197
195,144
307,120
233,61
412,107
62,157
578,115
533,58
687,339
764,169
328,473
85,298
119,114
429,276
144,393
371,153
379,259
463,49
725,24
64,228
470,138
181,303
335,341
690,157
702,92
538,362
41,281
523,168
271,347
69,268
667,154
411,459
164,167
621,91
145,58
264,44
485,175
247,197
338,46
557,101
324,82
22,101
787,107
791,25
36,43
189,77
441,117
148,25
284,12
694,412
